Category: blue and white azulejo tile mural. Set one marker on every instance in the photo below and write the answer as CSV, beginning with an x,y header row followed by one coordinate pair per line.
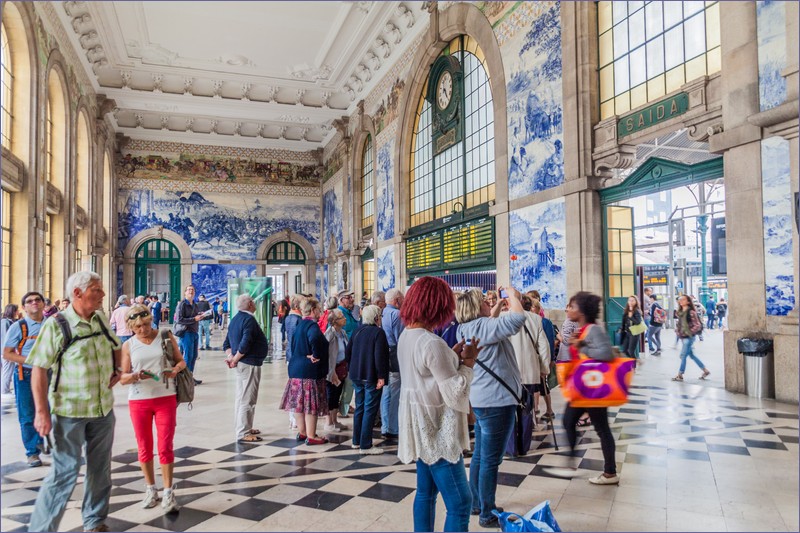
x,y
532,56
777,209
217,225
385,266
384,193
771,25
537,239
332,218
318,272
212,280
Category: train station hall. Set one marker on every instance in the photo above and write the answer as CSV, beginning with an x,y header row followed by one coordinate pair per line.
x,y
400,266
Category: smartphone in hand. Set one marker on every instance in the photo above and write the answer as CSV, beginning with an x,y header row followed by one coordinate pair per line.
x,y
503,293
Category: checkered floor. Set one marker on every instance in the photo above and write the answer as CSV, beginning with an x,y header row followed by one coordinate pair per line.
x,y
691,457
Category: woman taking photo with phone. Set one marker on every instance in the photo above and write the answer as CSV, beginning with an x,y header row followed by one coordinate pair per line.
x,y
434,403
151,397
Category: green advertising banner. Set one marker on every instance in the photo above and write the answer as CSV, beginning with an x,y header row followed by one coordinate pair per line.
x,y
261,291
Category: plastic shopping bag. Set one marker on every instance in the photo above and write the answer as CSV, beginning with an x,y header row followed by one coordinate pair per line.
x,y
540,518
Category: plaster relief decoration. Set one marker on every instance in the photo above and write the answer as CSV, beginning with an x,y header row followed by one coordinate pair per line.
x,y
777,209
530,43
216,225
538,250
332,218
385,269
496,11
771,26
384,194
212,280
216,169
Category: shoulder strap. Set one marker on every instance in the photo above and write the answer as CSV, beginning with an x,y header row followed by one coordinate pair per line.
x,y
68,340
533,342
23,328
501,381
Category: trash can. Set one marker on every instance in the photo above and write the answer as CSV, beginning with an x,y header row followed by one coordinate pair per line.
x,y
759,377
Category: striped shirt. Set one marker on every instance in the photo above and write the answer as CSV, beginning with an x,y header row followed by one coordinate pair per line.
x,y
87,365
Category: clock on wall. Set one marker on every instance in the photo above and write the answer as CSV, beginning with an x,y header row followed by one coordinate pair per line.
x,y
446,94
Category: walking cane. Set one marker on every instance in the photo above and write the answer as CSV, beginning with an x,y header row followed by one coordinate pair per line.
x,y
546,389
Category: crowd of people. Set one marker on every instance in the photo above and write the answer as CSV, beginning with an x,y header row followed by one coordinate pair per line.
x,y
436,366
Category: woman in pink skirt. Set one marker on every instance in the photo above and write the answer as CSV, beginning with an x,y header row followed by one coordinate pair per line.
x,y
306,392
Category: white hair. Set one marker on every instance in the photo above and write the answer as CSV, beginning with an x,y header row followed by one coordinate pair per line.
x,y
243,302
377,296
122,299
392,295
81,281
369,314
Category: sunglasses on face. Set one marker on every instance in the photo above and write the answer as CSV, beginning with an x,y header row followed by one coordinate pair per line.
x,y
141,314
33,301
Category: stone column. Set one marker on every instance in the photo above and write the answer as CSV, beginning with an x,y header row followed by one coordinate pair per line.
x,y
741,148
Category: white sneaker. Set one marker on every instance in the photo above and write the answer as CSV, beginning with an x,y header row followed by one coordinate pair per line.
x,y
603,480
168,503
372,451
331,428
150,498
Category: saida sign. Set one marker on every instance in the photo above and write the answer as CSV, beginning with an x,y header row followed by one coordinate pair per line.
x,y
654,114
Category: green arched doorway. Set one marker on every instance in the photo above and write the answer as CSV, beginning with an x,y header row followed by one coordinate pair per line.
x,y
158,271
619,249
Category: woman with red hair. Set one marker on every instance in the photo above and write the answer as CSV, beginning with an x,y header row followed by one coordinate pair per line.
x,y
434,403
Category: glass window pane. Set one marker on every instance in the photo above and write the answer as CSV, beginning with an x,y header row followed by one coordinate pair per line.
x,y
692,7
674,52
621,77
654,19
633,7
714,61
606,82
712,26
620,10
636,28
672,13
694,36
638,66
620,38
603,16
655,57
606,49
627,285
696,68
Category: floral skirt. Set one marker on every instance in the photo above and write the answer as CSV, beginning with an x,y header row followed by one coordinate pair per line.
x,y
308,396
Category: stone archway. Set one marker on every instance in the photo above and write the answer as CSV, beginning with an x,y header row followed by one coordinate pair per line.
x,y
157,232
309,269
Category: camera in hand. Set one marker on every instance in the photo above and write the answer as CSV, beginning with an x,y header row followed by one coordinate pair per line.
x,y
503,293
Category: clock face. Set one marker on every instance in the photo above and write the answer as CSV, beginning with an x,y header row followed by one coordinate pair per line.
x,y
444,90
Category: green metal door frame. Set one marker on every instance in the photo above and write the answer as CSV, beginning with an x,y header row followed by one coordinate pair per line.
x,y
653,176
159,252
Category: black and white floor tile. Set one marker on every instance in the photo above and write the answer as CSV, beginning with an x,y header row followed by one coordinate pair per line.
x,y
692,457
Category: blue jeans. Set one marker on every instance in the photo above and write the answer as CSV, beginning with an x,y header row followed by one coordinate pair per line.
x,y
451,480
70,434
390,404
493,426
26,412
205,329
687,351
123,338
647,333
367,400
710,321
654,334
188,346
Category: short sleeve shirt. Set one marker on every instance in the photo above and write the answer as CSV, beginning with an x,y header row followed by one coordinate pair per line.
x,y
14,336
86,366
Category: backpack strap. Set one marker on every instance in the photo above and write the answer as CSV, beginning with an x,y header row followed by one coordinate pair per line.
x,y
68,340
533,342
23,328
500,380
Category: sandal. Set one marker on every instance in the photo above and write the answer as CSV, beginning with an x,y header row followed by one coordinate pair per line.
x,y
311,441
300,437
548,416
255,432
679,377
251,438
583,422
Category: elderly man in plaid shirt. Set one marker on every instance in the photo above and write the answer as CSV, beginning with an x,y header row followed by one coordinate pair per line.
x,y
82,407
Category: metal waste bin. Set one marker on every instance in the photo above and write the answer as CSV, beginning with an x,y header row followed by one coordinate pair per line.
x,y
759,376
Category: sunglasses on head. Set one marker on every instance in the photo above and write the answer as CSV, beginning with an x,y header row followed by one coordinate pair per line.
x,y
140,314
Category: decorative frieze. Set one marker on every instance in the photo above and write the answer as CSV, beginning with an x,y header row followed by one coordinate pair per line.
x,y
230,188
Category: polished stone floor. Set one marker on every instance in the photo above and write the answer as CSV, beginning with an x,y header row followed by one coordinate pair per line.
x,y
691,456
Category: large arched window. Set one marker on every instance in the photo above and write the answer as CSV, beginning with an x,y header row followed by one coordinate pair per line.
x,y
7,82
55,172
82,260
464,174
367,185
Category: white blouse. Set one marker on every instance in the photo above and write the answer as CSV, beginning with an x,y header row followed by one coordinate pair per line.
x,y
434,399
148,357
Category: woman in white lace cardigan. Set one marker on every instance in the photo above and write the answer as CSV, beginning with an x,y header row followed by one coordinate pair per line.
x,y
434,403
